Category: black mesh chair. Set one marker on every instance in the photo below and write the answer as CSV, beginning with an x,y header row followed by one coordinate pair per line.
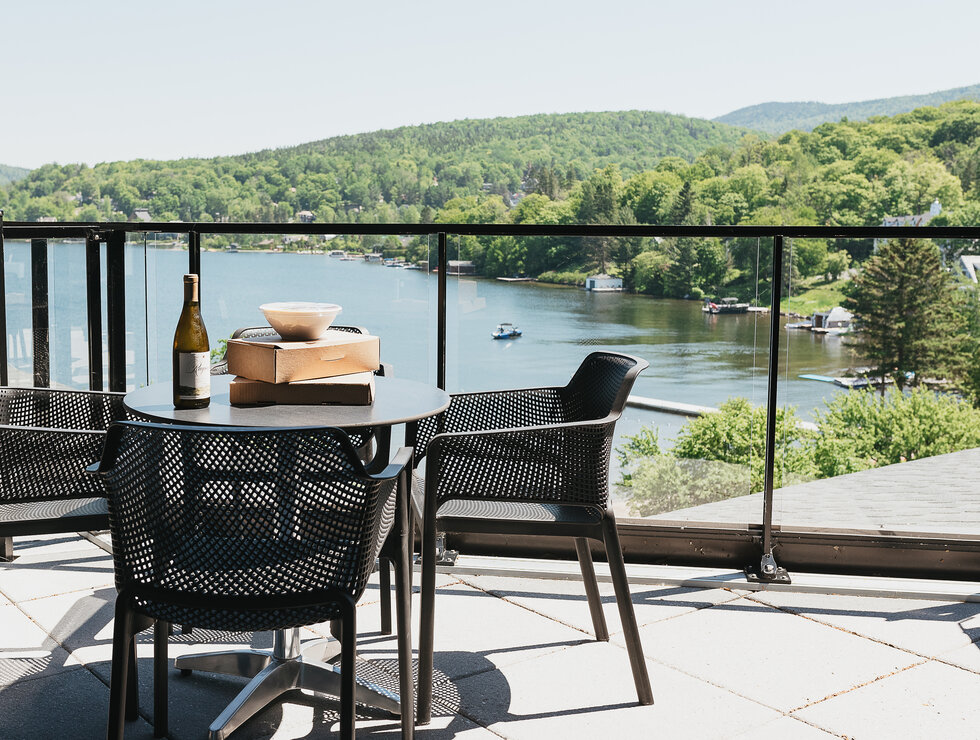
x,y
370,443
529,462
48,438
250,530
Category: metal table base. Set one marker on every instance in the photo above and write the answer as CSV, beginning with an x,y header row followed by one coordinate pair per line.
x,y
287,667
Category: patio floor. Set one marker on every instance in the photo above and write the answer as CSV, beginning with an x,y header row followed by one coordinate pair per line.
x,y
515,659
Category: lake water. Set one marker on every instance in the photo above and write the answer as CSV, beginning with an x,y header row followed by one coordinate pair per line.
x,y
694,358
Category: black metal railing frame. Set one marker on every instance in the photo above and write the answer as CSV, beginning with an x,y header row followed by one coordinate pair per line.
x,y
756,547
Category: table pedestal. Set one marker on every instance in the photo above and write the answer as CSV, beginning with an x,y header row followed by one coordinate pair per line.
x,y
288,666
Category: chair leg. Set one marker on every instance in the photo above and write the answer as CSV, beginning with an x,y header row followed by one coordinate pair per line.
x,y
403,604
384,566
427,622
122,645
161,632
133,682
348,668
617,569
591,589
6,548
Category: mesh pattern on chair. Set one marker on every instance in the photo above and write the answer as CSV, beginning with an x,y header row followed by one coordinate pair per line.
x,y
60,409
48,438
213,527
532,445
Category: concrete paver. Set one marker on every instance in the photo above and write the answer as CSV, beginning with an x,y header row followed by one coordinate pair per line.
x,y
779,659
588,693
925,627
931,700
565,601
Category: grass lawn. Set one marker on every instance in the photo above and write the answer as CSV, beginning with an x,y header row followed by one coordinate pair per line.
x,y
813,295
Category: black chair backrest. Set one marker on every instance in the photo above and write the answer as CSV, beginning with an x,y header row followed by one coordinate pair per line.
x,y
601,385
256,515
60,409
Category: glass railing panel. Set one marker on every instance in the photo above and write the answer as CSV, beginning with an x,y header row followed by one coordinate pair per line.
x,y
393,303
67,314
698,361
886,376
17,283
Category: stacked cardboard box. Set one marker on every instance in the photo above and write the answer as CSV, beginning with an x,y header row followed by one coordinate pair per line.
x,y
337,368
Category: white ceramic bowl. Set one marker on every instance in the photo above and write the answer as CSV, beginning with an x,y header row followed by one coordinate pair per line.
x,y
300,319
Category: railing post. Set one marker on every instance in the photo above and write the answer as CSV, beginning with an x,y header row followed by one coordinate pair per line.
x,y
39,313
767,569
441,308
4,380
194,252
93,296
116,308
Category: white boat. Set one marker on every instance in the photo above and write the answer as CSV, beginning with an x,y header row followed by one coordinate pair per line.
x,y
336,253
506,331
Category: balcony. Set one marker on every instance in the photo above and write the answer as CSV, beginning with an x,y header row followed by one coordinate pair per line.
x,y
865,642
515,657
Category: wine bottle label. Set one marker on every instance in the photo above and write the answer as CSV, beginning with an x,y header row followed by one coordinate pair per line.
x,y
194,379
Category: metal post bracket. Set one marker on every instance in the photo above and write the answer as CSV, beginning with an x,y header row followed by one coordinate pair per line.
x,y
767,572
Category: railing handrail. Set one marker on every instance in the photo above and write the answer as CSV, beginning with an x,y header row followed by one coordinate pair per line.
x,y
79,229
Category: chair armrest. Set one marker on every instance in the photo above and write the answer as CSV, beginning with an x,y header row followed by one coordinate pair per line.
x,y
402,460
489,410
565,463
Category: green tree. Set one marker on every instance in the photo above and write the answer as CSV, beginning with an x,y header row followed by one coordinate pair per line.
x,y
861,429
906,314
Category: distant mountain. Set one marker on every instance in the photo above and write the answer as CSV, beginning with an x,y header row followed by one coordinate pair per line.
x,y
777,118
389,175
10,174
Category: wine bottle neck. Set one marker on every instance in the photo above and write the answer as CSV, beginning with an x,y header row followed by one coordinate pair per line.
x,y
190,292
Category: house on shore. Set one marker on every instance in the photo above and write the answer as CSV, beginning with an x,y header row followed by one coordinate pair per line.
x,y
912,219
604,284
460,267
836,321
969,265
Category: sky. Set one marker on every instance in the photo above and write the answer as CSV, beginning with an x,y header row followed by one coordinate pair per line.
x,y
102,80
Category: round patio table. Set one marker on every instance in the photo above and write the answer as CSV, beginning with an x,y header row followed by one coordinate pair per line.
x,y
396,401
290,665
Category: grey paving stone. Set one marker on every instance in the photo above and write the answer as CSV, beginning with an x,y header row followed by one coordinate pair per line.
x,y
35,575
779,659
72,704
588,692
967,656
26,651
931,700
929,628
784,728
50,545
477,632
565,601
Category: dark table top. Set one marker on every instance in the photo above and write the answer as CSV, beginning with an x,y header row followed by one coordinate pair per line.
x,y
396,401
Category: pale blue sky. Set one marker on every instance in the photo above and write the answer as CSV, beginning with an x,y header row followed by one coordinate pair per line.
x,y
107,80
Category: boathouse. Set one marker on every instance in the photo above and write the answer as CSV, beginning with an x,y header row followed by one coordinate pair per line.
x,y
835,318
601,283
460,267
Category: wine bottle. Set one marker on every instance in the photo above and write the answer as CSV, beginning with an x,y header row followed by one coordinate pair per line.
x,y
192,354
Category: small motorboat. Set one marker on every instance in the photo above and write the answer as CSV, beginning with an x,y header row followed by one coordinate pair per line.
x,y
506,331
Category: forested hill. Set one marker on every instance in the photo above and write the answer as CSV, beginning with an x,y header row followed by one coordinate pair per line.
x,y
777,118
386,175
10,174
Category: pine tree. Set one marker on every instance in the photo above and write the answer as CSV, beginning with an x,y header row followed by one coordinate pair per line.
x,y
906,314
